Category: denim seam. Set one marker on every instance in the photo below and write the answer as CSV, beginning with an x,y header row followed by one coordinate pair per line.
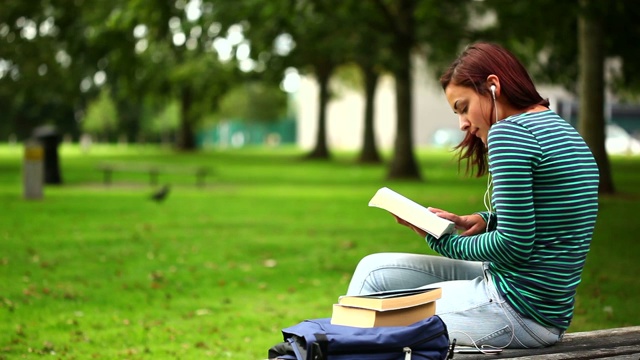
x,y
502,331
529,331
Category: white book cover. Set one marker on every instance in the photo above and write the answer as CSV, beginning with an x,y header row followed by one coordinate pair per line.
x,y
411,212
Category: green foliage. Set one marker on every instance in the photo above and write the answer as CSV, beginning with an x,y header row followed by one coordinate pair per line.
x,y
160,120
38,81
350,76
254,102
52,52
547,40
550,52
168,120
96,271
102,115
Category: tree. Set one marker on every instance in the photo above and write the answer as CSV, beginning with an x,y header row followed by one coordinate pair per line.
x,y
62,58
369,151
399,18
174,48
318,30
56,55
40,74
591,58
162,124
254,101
370,50
101,118
308,35
414,26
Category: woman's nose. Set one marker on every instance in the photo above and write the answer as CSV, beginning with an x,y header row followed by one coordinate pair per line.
x,y
463,123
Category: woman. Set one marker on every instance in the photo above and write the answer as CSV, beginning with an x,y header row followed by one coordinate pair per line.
x,y
509,278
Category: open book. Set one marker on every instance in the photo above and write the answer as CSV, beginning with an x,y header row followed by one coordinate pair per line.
x,y
411,212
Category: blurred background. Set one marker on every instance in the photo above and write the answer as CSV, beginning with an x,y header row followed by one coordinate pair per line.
x,y
318,74
189,225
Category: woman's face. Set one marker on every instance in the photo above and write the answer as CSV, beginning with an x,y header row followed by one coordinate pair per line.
x,y
474,110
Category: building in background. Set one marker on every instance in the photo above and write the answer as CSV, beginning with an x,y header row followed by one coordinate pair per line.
x,y
345,113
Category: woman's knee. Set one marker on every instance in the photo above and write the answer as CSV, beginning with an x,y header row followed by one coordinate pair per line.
x,y
376,260
376,272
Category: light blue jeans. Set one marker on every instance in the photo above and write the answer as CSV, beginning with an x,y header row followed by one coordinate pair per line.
x,y
471,307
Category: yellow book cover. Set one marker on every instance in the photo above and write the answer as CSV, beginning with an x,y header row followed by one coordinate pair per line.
x,y
366,318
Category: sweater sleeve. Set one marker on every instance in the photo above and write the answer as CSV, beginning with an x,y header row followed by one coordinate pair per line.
x,y
489,217
513,154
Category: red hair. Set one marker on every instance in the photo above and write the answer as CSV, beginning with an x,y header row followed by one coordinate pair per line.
x,y
471,69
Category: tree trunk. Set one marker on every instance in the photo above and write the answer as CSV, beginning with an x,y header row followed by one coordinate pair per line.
x,y
186,137
591,119
369,152
321,151
403,165
22,125
130,122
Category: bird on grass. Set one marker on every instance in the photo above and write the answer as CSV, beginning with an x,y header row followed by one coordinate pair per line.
x,y
161,194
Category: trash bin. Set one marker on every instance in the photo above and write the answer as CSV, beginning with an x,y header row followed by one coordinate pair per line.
x,y
48,136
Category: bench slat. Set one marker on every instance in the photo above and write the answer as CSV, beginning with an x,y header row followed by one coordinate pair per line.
x,y
153,170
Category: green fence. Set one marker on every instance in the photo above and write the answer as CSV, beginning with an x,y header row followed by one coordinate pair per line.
x,y
238,133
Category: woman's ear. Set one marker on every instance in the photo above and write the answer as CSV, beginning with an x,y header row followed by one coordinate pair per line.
x,y
493,84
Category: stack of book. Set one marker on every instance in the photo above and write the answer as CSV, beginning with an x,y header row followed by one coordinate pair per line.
x,y
389,308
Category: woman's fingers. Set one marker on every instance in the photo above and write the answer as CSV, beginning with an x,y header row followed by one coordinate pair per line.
x,y
446,215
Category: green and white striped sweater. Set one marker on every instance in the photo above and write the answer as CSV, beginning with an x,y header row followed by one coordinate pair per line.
x,y
545,200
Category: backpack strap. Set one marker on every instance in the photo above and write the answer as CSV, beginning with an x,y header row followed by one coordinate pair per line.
x,y
298,347
319,347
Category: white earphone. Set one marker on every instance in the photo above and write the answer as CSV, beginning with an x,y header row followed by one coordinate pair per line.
x,y
493,96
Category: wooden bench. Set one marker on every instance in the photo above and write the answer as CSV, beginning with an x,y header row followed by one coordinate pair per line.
x,y
153,171
619,343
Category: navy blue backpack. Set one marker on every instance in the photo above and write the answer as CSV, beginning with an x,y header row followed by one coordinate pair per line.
x,y
318,339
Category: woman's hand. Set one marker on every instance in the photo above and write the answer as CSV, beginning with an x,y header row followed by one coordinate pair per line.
x,y
470,224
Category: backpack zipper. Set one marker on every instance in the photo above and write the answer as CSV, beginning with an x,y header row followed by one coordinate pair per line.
x,y
428,339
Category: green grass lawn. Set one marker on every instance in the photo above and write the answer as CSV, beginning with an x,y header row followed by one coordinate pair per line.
x,y
102,272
